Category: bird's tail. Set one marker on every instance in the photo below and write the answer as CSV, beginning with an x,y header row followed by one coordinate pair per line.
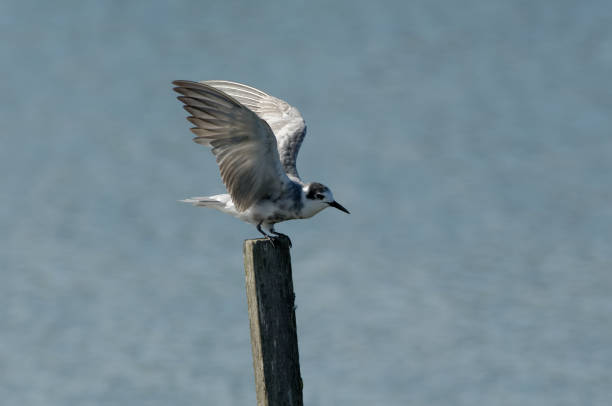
x,y
205,201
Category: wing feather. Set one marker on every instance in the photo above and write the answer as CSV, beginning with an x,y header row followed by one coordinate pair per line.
x,y
244,145
285,121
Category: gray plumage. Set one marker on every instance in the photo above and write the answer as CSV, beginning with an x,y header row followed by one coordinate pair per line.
x,y
285,120
255,138
244,145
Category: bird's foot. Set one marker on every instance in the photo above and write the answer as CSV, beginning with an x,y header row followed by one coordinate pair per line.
x,y
282,235
271,239
266,236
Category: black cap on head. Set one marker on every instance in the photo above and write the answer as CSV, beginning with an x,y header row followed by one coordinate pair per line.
x,y
315,188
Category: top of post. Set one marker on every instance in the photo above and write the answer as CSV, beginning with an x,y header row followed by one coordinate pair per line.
x,y
279,244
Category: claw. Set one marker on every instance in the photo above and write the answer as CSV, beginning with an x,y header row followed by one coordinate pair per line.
x,y
276,235
266,236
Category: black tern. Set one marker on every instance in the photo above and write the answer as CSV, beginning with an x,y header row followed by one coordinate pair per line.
x,y
255,138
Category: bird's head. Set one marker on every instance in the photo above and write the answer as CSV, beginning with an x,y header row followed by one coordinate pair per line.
x,y
319,197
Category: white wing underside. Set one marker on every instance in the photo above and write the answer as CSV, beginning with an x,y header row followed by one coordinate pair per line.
x,y
244,144
285,120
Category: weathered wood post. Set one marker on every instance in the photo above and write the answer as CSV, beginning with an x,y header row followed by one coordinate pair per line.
x,y
270,298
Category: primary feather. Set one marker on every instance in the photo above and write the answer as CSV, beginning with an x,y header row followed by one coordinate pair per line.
x,y
243,143
285,120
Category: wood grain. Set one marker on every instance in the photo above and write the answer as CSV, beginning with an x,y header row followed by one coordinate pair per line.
x,y
270,298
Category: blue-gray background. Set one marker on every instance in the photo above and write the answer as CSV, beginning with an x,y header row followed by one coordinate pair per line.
x,y
472,142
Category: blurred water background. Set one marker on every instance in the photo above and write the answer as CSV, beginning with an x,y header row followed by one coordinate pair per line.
x,y
472,142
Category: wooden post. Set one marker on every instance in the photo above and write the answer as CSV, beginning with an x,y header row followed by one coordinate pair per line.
x,y
270,298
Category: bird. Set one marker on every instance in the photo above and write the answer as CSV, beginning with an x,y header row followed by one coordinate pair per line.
x,y
255,138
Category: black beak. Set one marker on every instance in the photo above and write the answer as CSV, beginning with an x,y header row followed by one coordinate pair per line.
x,y
338,206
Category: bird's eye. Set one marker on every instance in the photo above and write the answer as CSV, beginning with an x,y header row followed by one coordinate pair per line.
x,y
319,196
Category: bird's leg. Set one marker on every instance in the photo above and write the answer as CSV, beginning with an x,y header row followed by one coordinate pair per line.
x,y
264,234
282,235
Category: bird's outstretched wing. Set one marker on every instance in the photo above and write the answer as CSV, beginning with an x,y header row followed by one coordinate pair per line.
x,y
286,121
244,144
